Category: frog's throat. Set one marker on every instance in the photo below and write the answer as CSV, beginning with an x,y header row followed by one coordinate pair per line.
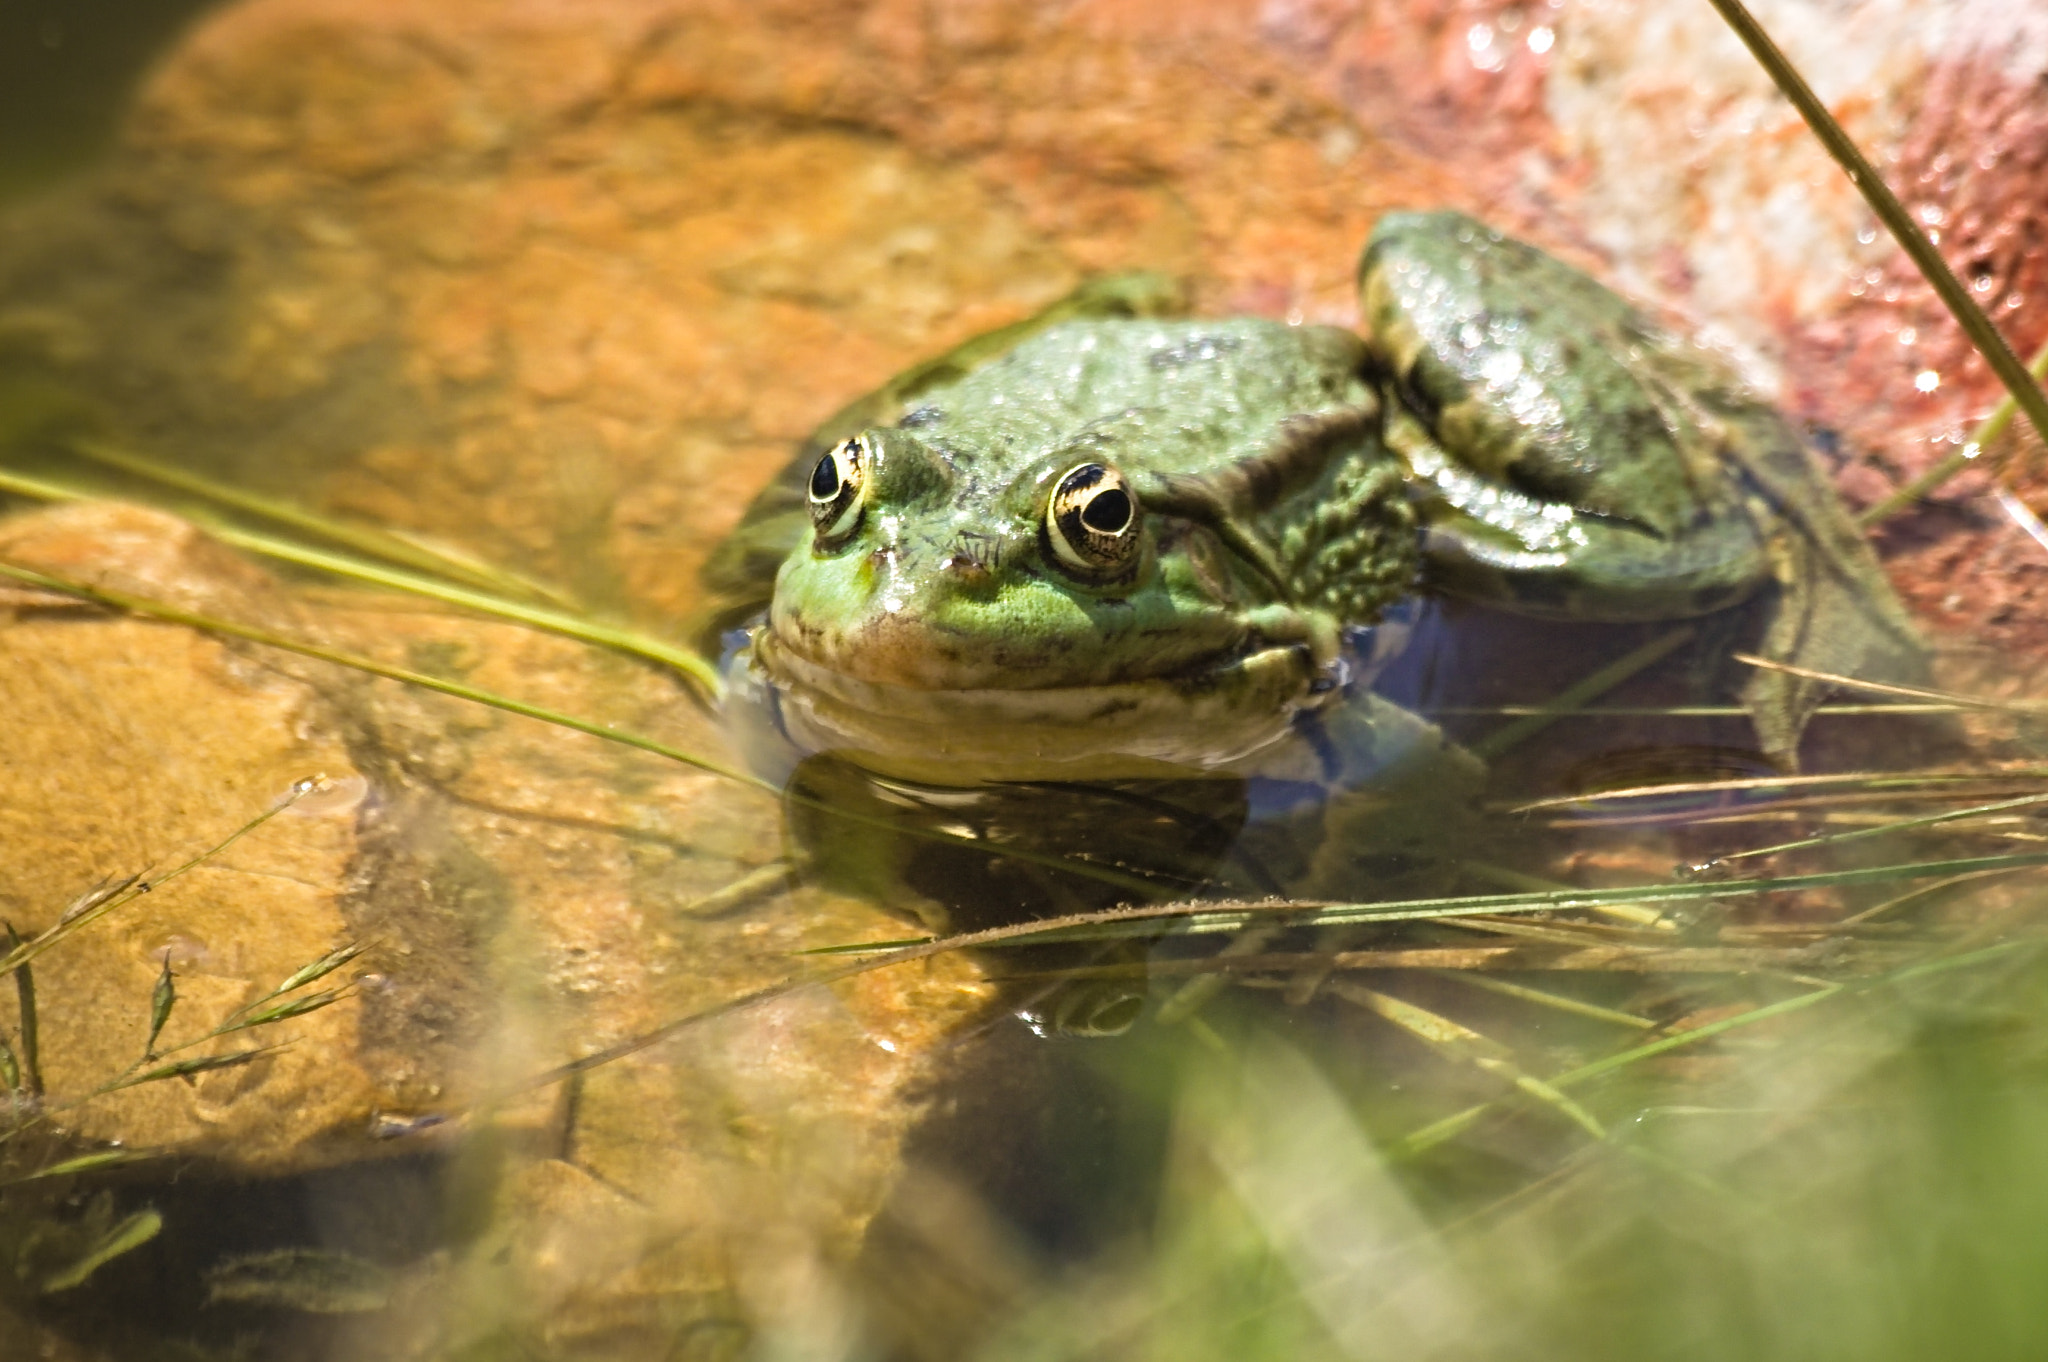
x,y
1212,721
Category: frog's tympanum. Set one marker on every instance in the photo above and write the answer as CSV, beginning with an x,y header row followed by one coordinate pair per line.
x,y
1109,543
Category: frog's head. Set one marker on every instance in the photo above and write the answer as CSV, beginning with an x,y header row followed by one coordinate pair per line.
x,y
1009,613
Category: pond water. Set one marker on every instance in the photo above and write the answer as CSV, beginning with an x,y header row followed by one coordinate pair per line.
x,y
365,1002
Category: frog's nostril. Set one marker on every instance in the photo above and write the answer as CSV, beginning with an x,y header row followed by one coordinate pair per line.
x,y
973,557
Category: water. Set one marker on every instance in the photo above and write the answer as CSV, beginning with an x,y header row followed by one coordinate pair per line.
x,y
415,286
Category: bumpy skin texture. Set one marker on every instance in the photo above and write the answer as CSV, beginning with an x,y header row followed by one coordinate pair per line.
x,y
950,581
1513,431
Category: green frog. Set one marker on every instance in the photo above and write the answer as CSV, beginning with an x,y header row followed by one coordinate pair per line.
x,y
1112,542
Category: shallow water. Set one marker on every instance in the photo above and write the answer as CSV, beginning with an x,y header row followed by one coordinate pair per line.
x,y
569,332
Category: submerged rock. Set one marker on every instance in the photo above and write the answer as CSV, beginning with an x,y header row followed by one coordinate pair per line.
x,y
562,285
520,894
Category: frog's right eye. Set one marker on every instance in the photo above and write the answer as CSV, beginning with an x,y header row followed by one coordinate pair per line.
x,y
836,489
1092,521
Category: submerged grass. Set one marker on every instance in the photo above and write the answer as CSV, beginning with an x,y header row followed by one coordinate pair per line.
x,y
52,1250
1767,1203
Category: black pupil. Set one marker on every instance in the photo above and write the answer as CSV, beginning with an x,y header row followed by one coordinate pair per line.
x,y
825,478
1108,511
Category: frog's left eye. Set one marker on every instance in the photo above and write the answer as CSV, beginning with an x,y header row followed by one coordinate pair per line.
x,y
836,486
1092,520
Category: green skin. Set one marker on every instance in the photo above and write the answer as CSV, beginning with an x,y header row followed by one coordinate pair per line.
x,y
1511,432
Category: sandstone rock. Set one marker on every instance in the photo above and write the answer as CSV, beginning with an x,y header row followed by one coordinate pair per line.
x,y
561,284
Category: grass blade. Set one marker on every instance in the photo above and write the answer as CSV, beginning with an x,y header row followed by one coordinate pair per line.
x,y
290,1007
30,1083
85,1163
185,1068
702,676
158,610
1983,335
21,952
1462,1044
131,1234
162,999
319,969
1576,695
1988,430
364,539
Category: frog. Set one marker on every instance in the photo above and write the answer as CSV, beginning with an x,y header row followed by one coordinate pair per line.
x,y
1116,541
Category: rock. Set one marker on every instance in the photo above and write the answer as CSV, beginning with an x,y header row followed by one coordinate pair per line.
x,y
561,285
132,746
518,890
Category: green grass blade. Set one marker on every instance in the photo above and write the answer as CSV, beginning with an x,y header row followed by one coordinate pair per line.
x,y
131,1234
1592,687
362,538
1982,438
701,674
169,614
1558,1002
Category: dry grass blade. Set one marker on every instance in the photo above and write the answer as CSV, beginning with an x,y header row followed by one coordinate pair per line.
x,y
22,952
1889,688
1464,1045
1899,782
755,884
1887,827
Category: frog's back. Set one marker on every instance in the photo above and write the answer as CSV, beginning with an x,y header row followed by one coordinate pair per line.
x,y
1151,395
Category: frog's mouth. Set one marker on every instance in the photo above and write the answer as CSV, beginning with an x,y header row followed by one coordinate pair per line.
x,y
1213,719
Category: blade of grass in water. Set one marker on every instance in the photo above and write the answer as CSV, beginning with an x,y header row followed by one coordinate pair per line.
x,y
362,538
1560,1002
1901,782
1192,996
1890,688
1898,825
888,955
1457,1123
1462,1044
158,610
72,923
1600,682
1197,918
1667,711
701,674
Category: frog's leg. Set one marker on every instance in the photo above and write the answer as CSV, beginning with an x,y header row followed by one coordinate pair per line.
x,y
1579,462
1835,610
739,578
1520,551
1832,609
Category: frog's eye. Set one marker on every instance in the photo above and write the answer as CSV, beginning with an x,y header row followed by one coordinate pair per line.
x,y
1092,520
836,485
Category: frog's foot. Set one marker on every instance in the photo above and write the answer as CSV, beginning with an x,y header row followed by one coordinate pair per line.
x,y
1834,613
